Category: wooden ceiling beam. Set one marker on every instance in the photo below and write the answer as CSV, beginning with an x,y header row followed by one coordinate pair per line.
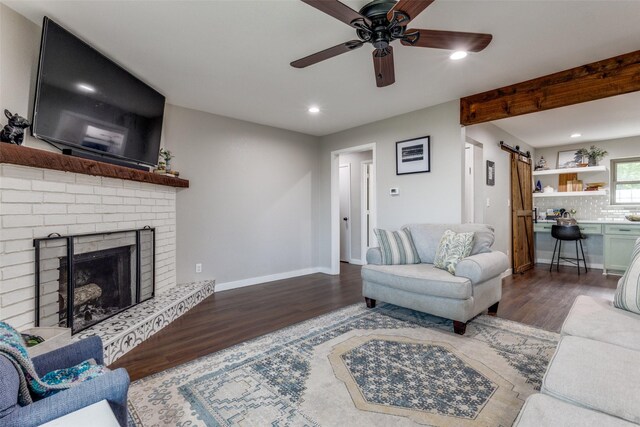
x,y
601,79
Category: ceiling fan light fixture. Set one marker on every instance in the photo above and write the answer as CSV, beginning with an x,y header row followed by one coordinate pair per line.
x,y
458,54
314,109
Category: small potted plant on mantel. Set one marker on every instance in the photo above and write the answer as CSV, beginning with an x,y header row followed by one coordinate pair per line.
x,y
594,154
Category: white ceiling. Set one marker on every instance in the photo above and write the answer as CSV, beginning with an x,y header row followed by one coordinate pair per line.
x,y
232,57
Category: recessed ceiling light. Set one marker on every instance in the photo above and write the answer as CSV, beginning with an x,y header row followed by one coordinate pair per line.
x,y
458,54
314,110
85,87
576,135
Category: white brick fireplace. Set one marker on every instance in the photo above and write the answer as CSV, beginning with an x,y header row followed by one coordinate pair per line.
x,y
36,202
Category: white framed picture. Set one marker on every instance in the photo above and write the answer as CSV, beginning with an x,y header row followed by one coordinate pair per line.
x,y
413,156
566,159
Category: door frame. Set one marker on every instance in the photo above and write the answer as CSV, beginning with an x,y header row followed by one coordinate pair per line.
x,y
363,216
335,199
349,237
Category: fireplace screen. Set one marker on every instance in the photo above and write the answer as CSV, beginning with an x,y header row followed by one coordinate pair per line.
x,y
84,279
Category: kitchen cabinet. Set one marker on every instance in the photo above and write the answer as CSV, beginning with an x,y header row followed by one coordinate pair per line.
x,y
543,227
619,241
609,247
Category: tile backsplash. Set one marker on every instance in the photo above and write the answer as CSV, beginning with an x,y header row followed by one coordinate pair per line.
x,y
587,207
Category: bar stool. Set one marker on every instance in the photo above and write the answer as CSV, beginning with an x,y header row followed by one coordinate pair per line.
x,y
567,233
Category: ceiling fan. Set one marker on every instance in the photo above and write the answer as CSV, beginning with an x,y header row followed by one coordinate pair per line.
x,y
382,21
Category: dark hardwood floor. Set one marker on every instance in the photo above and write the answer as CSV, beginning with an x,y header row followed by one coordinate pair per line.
x,y
537,298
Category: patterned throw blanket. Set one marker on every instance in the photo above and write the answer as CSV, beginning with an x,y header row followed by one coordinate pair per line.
x,y
32,386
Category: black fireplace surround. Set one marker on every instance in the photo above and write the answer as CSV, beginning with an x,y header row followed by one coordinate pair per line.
x,y
102,274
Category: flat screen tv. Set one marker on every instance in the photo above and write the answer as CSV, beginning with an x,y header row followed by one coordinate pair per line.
x,y
86,101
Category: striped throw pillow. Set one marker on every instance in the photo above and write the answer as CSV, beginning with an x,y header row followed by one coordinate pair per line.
x,y
628,292
397,247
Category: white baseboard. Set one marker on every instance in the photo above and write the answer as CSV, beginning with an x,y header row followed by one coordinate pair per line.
x,y
325,270
265,279
508,272
356,261
589,264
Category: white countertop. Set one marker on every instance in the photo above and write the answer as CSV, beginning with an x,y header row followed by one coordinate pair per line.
x,y
595,221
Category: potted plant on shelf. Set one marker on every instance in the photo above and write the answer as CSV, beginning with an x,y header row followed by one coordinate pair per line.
x,y
589,156
595,155
582,157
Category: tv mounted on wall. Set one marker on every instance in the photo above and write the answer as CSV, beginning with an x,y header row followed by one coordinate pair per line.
x,y
88,103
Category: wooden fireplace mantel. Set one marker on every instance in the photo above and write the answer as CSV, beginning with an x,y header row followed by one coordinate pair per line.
x,y
35,158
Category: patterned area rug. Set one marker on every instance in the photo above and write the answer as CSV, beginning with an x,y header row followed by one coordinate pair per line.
x,y
356,367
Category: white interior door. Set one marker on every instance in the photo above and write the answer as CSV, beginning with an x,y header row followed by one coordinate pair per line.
x,y
367,208
469,185
345,212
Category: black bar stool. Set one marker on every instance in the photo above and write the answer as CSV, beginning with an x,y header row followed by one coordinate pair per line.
x,y
567,233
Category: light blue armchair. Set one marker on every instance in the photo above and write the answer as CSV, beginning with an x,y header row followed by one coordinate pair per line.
x,y
112,386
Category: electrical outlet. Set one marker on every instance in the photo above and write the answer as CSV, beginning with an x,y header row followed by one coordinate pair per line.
x,y
198,268
488,202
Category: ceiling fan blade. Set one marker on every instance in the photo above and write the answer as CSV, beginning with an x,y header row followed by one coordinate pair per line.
x,y
338,10
411,8
327,53
453,40
383,66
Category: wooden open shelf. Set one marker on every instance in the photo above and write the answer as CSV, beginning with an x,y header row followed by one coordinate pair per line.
x,y
35,158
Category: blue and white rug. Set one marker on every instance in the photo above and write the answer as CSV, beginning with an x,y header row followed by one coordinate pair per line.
x,y
356,367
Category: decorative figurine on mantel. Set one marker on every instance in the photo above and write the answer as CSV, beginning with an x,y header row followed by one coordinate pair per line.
x,y
13,132
164,165
542,164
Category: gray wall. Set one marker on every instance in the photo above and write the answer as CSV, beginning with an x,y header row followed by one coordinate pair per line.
x,y
19,50
355,160
498,214
250,209
426,197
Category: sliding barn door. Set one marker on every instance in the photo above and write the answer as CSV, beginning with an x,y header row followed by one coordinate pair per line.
x,y
522,213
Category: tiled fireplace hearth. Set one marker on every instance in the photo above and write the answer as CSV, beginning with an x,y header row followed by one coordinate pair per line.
x,y
36,201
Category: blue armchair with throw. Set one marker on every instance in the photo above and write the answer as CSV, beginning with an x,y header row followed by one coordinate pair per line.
x,y
111,386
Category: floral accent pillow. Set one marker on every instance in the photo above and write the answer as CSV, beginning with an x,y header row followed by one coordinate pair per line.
x,y
452,249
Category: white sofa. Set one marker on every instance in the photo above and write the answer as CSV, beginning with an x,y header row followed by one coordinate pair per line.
x,y
594,377
475,287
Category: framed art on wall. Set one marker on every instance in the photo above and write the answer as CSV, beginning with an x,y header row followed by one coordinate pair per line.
x,y
491,173
413,156
566,159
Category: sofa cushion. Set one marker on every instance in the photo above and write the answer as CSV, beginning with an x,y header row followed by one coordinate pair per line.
x,y
426,238
595,375
481,267
397,247
542,410
628,292
9,386
422,279
598,319
452,249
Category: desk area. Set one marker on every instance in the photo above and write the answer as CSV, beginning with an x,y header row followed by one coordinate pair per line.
x,y
608,244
